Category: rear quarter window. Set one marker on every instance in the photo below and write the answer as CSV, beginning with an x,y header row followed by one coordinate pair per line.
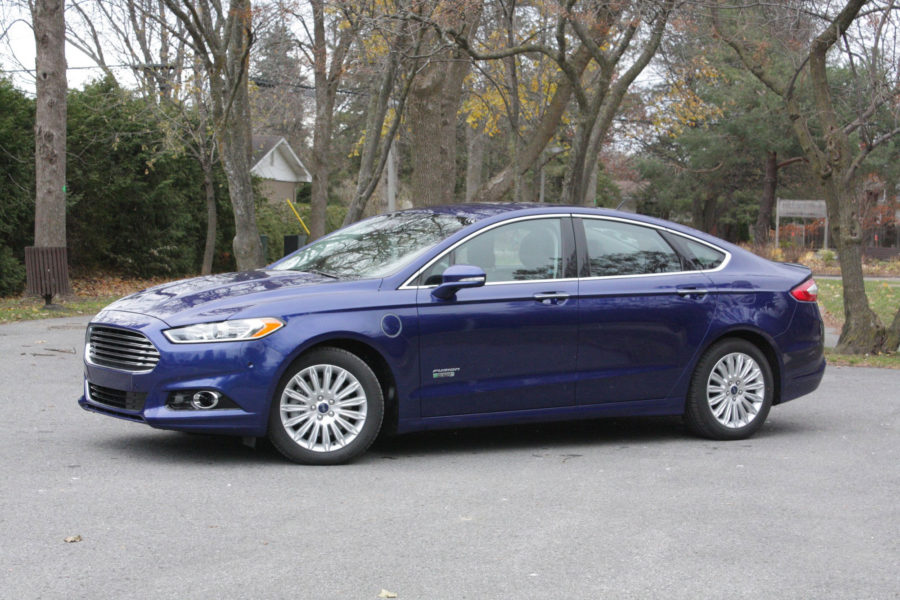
x,y
701,256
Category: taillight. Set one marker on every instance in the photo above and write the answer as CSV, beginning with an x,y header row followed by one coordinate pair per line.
x,y
807,291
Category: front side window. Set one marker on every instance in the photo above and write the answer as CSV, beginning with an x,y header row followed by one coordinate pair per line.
x,y
376,247
520,251
616,248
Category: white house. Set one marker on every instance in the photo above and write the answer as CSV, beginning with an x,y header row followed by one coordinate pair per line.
x,y
281,170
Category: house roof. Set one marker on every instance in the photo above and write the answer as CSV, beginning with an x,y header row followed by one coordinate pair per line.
x,y
273,158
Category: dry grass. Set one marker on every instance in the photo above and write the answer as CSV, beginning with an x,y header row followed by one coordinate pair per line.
x,y
90,294
825,262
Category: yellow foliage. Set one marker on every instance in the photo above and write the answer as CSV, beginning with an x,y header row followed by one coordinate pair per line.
x,y
679,106
385,127
485,106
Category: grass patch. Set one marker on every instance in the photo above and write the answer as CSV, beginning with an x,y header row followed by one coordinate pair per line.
x,y
91,294
26,309
879,361
884,298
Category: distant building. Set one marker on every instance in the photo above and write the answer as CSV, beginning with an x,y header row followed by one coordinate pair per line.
x,y
276,163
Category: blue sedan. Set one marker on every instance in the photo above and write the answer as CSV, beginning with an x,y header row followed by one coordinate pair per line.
x,y
463,316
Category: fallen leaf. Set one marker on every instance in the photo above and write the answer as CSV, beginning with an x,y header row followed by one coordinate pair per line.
x,y
386,594
72,539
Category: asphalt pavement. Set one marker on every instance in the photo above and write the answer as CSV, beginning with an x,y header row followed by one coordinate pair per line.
x,y
613,509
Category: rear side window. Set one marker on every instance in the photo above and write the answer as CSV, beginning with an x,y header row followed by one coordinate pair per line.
x,y
616,248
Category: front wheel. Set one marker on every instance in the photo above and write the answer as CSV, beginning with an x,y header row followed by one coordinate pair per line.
x,y
731,391
327,409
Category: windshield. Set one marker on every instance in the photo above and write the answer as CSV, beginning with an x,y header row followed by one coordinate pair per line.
x,y
375,247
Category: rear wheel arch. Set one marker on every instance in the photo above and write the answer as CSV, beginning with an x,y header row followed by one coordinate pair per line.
x,y
765,346
731,390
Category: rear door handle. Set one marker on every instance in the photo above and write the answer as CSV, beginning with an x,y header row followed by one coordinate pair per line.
x,y
551,297
687,291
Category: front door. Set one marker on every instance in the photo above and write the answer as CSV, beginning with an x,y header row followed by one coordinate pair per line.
x,y
511,344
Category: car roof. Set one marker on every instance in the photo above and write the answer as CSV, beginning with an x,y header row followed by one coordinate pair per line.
x,y
477,212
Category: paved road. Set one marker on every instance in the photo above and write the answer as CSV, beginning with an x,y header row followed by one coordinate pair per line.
x,y
612,509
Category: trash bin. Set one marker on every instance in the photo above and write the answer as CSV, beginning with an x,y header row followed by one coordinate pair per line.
x,y
294,242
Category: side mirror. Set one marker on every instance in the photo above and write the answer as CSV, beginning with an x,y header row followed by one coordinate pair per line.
x,y
458,277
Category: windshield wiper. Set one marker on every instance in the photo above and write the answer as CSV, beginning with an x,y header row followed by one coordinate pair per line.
x,y
322,273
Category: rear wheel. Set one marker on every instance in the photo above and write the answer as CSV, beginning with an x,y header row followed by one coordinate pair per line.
x,y
327,409
731,391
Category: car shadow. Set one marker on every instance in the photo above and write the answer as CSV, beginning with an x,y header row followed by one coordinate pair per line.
x,y
557,436
189,448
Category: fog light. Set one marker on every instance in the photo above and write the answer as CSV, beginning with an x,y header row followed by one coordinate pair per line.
x,y
205,400
199,400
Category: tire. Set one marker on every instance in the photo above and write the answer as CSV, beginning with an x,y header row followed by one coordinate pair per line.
x,y
731,391
327,409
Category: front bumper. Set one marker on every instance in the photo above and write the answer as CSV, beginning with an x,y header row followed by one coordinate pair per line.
x,y
244,372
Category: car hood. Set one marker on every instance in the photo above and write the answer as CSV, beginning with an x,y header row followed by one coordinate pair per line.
x,y
214,297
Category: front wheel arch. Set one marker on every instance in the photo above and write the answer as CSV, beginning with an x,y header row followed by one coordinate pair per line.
x,y
327,408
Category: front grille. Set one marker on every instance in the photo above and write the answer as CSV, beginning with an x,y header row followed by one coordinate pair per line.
x,y
121,349
116,398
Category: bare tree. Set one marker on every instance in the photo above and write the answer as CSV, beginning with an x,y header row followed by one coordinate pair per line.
x,y
395,64
600,48
220,38
835,146
325,44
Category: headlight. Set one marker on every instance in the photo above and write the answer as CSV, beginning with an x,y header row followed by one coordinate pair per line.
x,y
224,331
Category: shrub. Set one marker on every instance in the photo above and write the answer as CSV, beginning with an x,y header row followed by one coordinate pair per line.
x,y
12,273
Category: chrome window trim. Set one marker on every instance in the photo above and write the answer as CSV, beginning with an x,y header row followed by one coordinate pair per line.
x,y
407,285
721,266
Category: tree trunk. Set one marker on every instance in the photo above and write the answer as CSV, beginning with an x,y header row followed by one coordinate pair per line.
x,y
209,189
326,79
474,161
236,162
863,332
703,213
892,336
50,124
434,100
378,149
235,145
573,191
319,170
320,166
767,202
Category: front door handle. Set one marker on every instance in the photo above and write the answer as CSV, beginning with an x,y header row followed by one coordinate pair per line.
x,y
551,297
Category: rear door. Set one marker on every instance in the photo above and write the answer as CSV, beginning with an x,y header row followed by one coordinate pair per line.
x,y
644,312
511,344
